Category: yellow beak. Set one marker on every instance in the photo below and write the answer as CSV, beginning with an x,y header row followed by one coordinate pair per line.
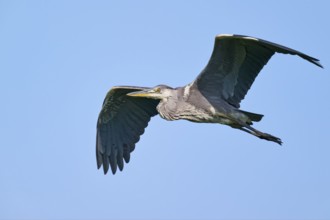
x,y
143,93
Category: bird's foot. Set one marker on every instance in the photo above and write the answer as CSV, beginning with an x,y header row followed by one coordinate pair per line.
x,y
261,135
269,137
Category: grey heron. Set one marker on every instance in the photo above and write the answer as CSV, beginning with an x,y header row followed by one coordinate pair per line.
x,y
213,97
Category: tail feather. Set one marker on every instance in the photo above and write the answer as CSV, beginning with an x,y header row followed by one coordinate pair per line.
x,y
253,116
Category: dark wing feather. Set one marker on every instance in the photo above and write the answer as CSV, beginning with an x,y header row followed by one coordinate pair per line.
x,y
235,63
121,122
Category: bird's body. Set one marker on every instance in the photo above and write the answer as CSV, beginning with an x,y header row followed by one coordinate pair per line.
x,y
189,104
214,97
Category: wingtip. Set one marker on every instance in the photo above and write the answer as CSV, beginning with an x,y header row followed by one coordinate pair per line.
x,y
317,63
113,168
105,169
313,60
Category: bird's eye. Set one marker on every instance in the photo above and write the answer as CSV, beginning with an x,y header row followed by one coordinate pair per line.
x,y
157,90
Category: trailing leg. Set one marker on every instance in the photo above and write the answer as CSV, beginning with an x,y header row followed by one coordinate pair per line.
x,y
259,134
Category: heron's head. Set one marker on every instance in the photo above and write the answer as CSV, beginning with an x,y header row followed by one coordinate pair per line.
x,y
157,92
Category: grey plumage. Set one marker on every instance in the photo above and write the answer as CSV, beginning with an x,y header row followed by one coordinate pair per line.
x,y
214,97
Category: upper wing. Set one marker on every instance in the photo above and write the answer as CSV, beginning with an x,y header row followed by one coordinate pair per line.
x,y
235,63
121,122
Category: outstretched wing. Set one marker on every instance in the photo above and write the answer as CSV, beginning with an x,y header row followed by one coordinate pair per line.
x,y
121,122
235,63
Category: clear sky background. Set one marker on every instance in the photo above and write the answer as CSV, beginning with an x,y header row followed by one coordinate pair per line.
x,y
58,59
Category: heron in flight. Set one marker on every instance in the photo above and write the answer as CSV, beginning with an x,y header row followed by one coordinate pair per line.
x,y
213,97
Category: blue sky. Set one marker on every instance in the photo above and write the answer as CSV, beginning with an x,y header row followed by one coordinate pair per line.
x,y
58,60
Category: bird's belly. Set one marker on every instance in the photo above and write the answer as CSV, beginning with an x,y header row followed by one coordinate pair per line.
x,y
206,116
209,119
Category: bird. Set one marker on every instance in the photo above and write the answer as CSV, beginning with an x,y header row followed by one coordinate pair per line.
x,y
213,97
